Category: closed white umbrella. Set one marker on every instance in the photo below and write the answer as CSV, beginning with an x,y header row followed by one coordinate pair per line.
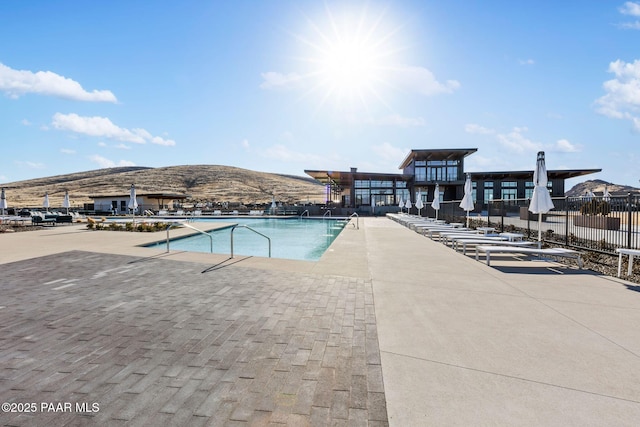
x,y
435,204
3,201
541,199
133,202
606,196
273,205
408,204
400,204
373,205
419,204
467,201
45,203
65,202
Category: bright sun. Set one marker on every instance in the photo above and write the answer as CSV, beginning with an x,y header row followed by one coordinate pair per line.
x,y
348,58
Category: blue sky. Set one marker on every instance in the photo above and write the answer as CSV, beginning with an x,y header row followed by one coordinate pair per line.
x,y
284,86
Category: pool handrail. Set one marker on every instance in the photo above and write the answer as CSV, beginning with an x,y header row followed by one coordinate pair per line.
x,y
357,219
257,232
327,212
184,224
306,211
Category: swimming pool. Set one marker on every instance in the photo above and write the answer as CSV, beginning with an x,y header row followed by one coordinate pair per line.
x,y
291,238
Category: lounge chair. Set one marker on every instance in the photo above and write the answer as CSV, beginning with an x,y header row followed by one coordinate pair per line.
x,y
40,220
465,242
553,252
631,253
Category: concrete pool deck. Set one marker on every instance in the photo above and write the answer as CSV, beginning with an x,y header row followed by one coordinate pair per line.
x,y
388,327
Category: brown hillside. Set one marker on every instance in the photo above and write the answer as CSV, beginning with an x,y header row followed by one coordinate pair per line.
x,y
210,183
597,186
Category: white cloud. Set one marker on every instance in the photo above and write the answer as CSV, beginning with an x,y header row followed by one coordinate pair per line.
x,y
517,142
245,144
630,8
25,122
411,78
67,151
622,98
421,80
388,152
527,62
477,129
565,146
103,162
123,147
30,165
275,80
16,83
285,154
105,128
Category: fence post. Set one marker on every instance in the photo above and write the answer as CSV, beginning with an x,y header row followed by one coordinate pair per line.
x,y
629,218
566,221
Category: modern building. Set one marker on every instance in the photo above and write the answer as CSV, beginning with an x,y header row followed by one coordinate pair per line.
x,y
422,169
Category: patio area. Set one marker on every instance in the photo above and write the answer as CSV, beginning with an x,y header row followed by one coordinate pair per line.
x,y
389,327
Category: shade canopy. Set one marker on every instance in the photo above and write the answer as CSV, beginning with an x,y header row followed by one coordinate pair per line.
x,y
419,204
541,199
3,200
435,204
65,201
467,201
133,201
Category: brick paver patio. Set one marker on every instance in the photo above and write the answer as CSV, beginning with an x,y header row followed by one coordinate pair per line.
x,y
121,340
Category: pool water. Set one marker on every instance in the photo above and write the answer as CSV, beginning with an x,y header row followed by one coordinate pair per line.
x,y
291,238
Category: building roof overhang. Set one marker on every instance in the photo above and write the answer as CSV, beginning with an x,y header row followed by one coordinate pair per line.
x,y
346,178
437,154
551,174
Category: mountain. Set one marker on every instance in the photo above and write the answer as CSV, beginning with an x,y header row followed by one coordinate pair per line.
x,y
211,183
597,187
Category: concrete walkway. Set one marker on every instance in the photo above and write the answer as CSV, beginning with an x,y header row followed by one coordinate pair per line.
x,y
388,326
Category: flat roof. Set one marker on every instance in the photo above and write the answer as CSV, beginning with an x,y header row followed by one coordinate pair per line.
x,y
346,178
437,154
551,174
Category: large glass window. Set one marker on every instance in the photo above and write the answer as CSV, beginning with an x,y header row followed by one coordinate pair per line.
x,y
528,189
443,170
508,190
383,184
488,191
362,183
362,197
421,174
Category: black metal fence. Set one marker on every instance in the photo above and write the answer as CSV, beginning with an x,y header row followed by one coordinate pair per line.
x,y
591,223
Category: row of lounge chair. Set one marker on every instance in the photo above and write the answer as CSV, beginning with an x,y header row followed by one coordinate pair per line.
x,y
485,239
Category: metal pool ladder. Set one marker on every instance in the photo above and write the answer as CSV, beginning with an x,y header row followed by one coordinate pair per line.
x,y
257,232
357,218
184,224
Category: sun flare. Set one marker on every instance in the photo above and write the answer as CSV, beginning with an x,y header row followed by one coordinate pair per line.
x,y
348,57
